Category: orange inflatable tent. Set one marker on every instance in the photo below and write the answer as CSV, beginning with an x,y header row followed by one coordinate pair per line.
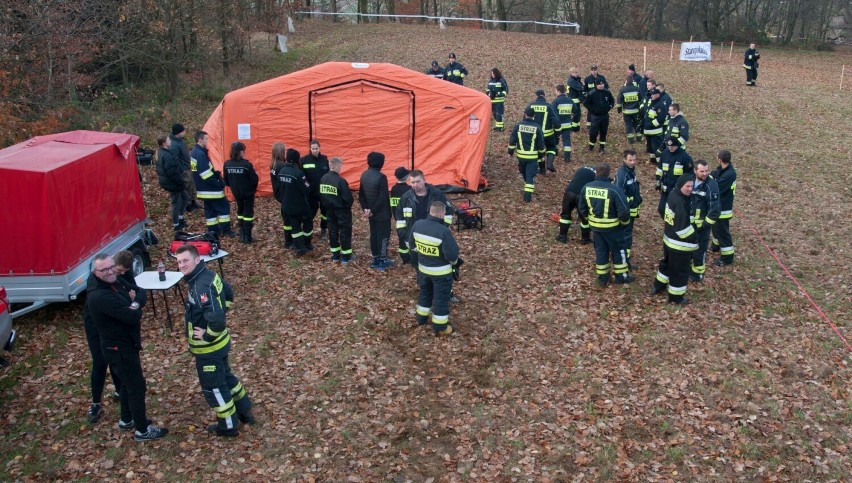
x,y
353,108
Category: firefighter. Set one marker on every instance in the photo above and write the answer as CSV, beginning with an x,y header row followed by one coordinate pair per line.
x,y
679,241
241,177
677,126
570,200
665,98
292,192
635,78
279,158
590,84
605,206
577,92
436,71
548,119
315,166
497,89
414,205
337,199
396,193
627,105
705,212
437,254
564,107
674,162
527,141
726,177
644,88
208,300
210,188
374,199
625,178
750,64
454,71
599,103
653,120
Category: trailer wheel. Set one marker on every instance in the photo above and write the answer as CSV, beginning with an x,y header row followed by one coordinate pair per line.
x,y
140,260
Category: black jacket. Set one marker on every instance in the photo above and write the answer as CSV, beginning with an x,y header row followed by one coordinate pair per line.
x,y
406,210
314,168
292,190
599,102
750,58
625,178
108,306
590,81
604,205
671,165
546,116
335,193
241,177
726,178
169,172
208,298
564,107
679,234
629,99
576,90
181,152
527,140
374,195
583,176
396,193
705,203
677,127
437,250
455,73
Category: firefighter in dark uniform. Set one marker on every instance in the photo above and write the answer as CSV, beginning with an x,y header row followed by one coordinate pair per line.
x,y
497,89
414,205
208,300
627,104
599,103
674,162
679,241
570,200
548,119
337,199
653,121
527,141
210,188
437,254
590,84
625,178
397,191
676,126
705,212
279,158
315,166
605,206
241,177
726,177
577,92
750,64
635,78
454,71
292,192
436,71
565,107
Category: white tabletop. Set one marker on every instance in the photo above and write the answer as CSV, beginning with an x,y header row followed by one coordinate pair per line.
x,y
209,258
151,280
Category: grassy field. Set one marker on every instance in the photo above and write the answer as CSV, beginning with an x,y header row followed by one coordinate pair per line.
x,y
548,378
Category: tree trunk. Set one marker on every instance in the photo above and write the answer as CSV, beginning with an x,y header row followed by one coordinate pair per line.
x,y
223,36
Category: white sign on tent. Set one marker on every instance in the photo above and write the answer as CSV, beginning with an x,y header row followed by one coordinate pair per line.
x,y
695,51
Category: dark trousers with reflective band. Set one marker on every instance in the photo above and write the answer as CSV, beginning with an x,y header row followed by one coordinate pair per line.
x,y
723,240
569,204
497,109
340,232
661,206
178,201
128,367
575,116
673,272
97,378
316,206
217,214
632,126
222,390
403,250
628,237
551,145
435,293
653,144
245,210
288,231
699,257
379,237
566,142
610,244
301,228
751,75
528,170
598,130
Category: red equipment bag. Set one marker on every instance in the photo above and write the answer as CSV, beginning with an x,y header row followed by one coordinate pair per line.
x,y
205,243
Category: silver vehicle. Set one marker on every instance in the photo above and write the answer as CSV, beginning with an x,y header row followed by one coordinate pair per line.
x,y
7,333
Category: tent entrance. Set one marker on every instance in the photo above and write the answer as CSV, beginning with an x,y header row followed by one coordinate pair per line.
x,y
352,119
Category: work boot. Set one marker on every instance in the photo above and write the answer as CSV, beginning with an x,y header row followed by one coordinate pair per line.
x,y
566,157
95,413
447,331
249,228
550,166
603,281
682,301
247,418
527,197
591,147
585,241
695,277
323,234
562,238
223,433
602,149
626,278
656,289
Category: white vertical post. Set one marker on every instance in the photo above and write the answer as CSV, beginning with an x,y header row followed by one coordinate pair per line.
x,y
690,38
671,54
731,55
644,59
842,71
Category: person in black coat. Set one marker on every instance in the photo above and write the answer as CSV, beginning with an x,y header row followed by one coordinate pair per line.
x,y
679,241
291,190
171,179
599,102
241,177
337,200
315,166
374,199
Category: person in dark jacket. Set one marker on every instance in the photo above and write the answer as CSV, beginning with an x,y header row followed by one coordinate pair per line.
x,y
679,241
577,92
241,177
337,200
315,166
171,179
414,205
599,102
292,192
625,178
546,117
605,206
654,117
635,78
590,85
497,89
117,316
279,158
374,199
570,199
627,103
436,71
180,149
677,126
673,163
396,193
726,178
437,254
527,142
705,213
210,189
565,107
750,64
208,300
454,71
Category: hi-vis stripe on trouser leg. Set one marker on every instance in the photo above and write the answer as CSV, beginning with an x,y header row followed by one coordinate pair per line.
x,y
224,410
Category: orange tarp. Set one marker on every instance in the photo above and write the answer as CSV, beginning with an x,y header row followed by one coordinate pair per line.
x,y
417,121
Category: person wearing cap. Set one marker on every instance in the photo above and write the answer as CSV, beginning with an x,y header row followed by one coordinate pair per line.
x,y
577,92
679,241
726,177
315,166
750,64
527,142
210,188
570,200
497,89
337,199
605,206
676,125
599,103
436,71
291,190
414,205
705,213
565,107
625,178
628,102
673,163
182,153
454,71
374,198
653,120
397,191
635,78
242,178
437,254
548,119
590,83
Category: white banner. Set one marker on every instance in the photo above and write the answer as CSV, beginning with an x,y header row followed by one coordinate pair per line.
x,y
695,51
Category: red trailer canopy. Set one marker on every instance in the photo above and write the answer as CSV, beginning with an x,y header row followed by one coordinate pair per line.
x,y
63,197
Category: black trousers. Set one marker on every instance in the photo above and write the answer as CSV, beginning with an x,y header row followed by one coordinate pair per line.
x,y
673,272
751,75
723,240
379,236
301,229
434,296
699,257
128,367
598,129
288,231
97,378
316,206
628,237
222,390
217,215
569,204
610,245
340,232
575,116
653,143
632,126
245,210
